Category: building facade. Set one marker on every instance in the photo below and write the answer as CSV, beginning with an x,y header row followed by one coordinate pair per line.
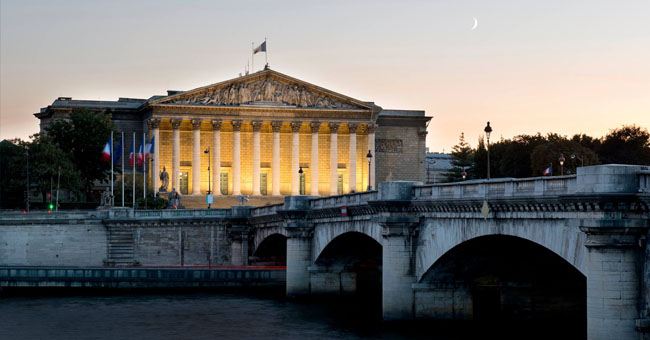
x,y
266,134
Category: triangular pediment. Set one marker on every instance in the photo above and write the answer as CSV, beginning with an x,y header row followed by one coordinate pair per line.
x,y
266,88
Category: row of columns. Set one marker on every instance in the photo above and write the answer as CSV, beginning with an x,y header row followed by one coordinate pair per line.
x,y
154,125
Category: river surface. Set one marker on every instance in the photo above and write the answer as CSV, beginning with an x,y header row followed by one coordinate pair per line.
x,y
203,316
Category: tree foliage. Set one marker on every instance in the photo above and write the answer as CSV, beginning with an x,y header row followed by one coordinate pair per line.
x,y
12,173
626,145
462,159
83,136
47,161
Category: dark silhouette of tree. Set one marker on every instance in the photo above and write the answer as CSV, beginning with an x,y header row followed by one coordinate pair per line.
x,y
83,136
549,153
462,159
629,144
12,173
46,159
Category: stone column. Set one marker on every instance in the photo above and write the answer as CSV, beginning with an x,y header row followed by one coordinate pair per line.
x,y
196,156
334,160
352,156
275,190
314,158
299,244
257,125
295,158
236,160
239,234
216,157
398,272
614,279
176,154
371,147
154,127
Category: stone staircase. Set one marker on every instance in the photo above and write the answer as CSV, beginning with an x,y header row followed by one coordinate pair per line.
x,y
120,245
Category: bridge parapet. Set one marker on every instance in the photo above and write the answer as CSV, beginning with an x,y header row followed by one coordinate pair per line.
x,y
508,187
347,200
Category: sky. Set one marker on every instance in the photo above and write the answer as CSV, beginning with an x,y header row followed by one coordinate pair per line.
x,y
565,67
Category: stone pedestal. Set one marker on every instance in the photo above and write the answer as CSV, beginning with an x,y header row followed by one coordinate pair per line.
x,y
299,244
398,266
614,284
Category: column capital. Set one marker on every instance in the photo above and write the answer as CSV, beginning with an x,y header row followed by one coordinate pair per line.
x,y
334,127
276,125
315,126
257,125
371,128
353,127
154,123
236,125
295,126
216,124
176,123
196,123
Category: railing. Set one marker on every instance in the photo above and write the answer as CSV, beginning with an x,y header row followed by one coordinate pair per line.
x,y
339,200
180,213
536,186
266,210
54,215
644,181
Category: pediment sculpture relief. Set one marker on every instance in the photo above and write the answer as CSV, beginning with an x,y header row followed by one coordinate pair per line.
x,y
264,90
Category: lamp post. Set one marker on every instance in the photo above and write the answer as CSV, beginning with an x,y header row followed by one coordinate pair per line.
x,y
302,183
574,156
561,160
464,174
209,177
369,156
488,130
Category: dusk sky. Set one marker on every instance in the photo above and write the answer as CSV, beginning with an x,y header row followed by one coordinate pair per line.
x,y
529,66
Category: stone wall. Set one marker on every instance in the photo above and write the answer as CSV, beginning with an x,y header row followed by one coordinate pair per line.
x,y
63,242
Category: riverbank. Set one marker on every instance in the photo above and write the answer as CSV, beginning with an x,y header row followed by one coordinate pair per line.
x,y
141,277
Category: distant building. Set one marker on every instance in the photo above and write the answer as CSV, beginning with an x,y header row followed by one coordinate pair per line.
x,y
437,165
266,134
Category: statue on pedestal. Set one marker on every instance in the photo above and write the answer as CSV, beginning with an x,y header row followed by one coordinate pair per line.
x,y
174,200
164,180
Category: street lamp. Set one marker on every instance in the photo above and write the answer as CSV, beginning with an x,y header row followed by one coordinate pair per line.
x,y
574,156
369,156
464,174
302,183
561,160
209,177
488,130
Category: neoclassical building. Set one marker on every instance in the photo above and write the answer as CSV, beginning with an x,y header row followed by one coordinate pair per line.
x,y
266,134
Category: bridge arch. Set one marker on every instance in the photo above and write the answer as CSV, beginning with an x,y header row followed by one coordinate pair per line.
x,y
271,251
508,280
325,233
439,237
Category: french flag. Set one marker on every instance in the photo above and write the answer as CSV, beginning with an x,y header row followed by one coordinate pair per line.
x,y
548,170
106,153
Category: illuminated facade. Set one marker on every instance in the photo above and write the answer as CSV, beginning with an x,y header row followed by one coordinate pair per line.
x,y
261,130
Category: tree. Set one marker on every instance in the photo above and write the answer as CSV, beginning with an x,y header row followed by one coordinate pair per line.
x,y
627,145
549,153
462,158
47,160
479,166
12,173
83,136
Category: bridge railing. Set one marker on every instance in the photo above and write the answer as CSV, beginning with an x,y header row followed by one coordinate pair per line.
x,y
347,199
176,213
266,210
509,187
644,181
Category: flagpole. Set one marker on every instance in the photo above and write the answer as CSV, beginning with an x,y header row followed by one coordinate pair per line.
x,y
112,174
252,57
133,169
266,54
123,174
144,168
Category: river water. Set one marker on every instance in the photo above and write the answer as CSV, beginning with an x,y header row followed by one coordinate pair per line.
x,y
209,316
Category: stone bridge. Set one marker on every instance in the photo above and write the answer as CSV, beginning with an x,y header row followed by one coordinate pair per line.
x,y
553,248
563,249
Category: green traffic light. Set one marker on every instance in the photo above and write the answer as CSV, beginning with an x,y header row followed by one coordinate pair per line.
x,y
51,206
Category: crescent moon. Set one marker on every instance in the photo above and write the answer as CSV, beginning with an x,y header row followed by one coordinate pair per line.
x,y
475,24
